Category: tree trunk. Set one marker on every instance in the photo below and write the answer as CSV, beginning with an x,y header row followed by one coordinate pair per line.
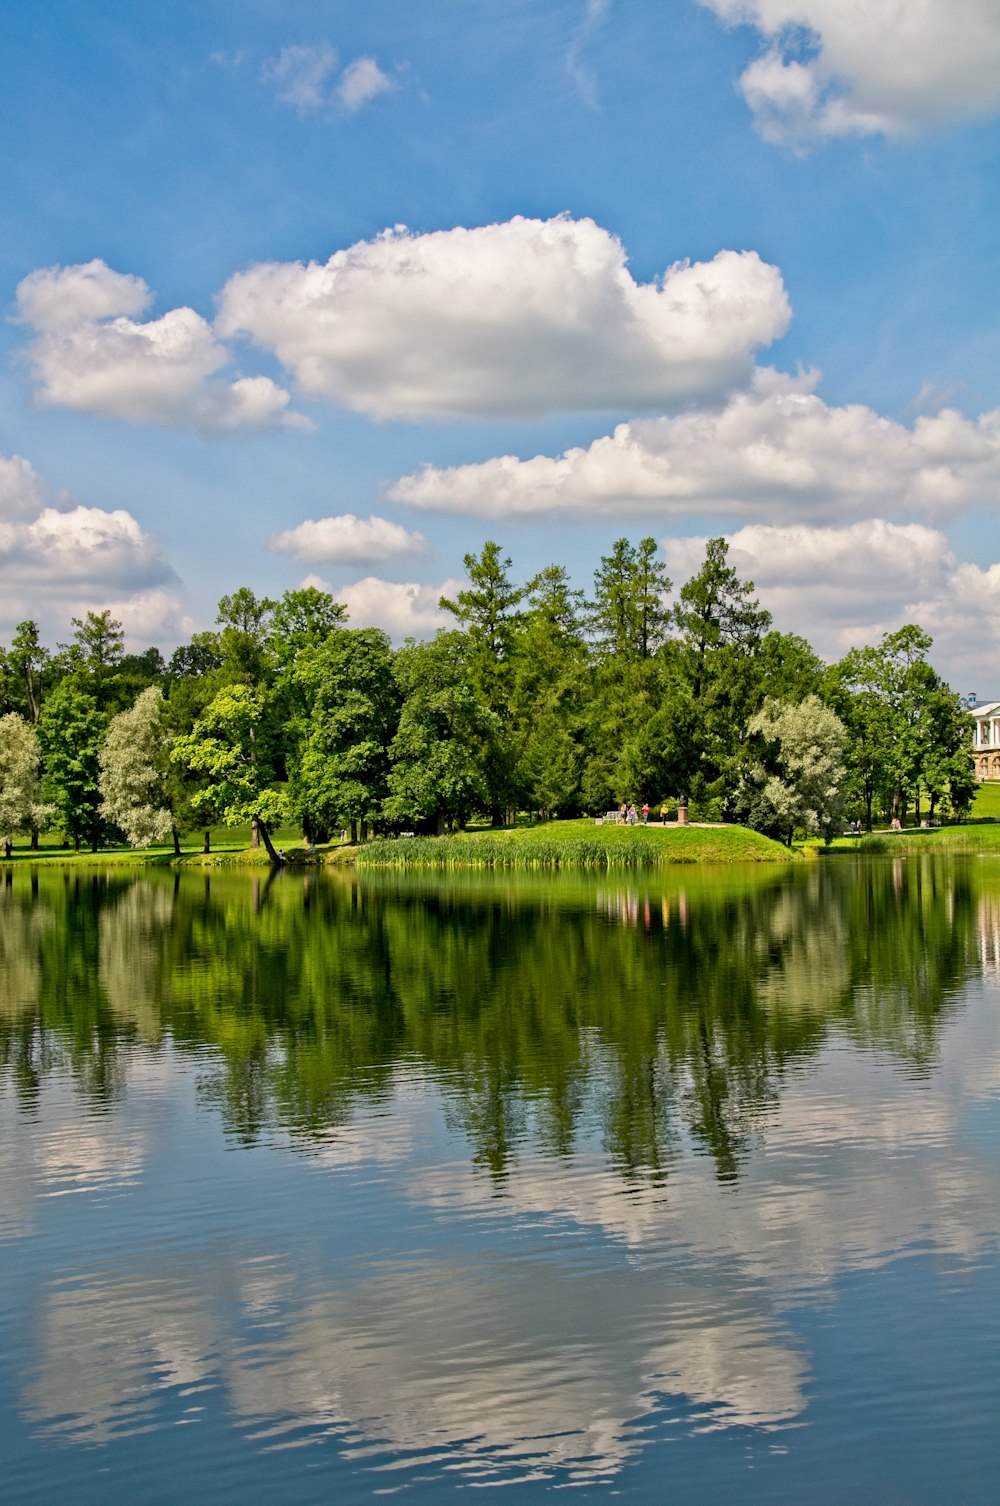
x,y
354,832
255,833
208,841
265,837
364,830
8,850
441,823
34,839
177,842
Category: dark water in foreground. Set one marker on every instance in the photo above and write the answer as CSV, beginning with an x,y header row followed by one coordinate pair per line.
x,y
682,1189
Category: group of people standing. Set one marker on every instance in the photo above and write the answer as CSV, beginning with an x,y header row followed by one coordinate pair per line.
x,y
628,815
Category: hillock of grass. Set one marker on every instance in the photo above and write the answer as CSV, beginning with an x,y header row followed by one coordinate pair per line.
x,y
975,838
575,844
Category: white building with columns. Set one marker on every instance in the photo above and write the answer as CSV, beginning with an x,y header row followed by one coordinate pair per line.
x,y
986,741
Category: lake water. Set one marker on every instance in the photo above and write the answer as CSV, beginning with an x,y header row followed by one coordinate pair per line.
x,y
678,1189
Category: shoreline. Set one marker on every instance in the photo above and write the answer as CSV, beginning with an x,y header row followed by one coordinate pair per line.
x,y
550,845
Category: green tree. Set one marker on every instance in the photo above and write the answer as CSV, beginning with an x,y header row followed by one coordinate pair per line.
x,y
28,661
303,620
628,616
721,626
135,773
302,623
628,620
344,766
547,698
198,657
71,730
907,736
487,612
21,807
231,744
244,641
100,639
446,739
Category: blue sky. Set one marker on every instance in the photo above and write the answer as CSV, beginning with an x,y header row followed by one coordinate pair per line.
x,y
831,182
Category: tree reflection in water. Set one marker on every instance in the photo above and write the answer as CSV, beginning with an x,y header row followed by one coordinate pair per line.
x,y
653,1012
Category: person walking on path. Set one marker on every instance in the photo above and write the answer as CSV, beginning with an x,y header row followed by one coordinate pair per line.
x,y
645,814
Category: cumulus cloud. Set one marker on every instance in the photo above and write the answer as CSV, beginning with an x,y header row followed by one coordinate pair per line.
x,y
349,539
831,69
84,544
519,319
842,587
21,489
89,354
403,609
58,562
775,451
305,77
56,298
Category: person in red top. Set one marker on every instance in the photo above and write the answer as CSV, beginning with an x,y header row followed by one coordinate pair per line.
x,y
645,815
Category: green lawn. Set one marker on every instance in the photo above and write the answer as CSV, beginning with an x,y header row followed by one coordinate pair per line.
x,y
228,842
576,844
986,806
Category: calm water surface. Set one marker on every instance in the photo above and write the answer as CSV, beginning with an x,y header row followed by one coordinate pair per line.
x,y
679,1189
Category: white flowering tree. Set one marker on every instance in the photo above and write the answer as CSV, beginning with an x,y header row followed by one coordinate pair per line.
x,y
798,783
134,773
21,808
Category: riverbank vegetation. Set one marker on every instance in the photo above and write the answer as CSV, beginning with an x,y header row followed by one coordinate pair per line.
x,y
536,700
576,844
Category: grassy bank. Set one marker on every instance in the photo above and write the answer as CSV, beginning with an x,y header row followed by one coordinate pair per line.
x,y
576,844
229,845
984,838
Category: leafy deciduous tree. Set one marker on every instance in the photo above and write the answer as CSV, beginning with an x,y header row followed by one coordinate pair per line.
x,y
21,808
134,773
71,730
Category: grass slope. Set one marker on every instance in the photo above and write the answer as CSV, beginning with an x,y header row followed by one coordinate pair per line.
x,y
576,844
985,838
986,805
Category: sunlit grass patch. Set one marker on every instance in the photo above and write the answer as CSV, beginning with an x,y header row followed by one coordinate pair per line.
x,y
576,844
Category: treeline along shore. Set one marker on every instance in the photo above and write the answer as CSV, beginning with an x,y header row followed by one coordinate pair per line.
x,y
539,702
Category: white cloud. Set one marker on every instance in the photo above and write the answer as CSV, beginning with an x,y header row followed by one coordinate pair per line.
x,y
156,616
837,69
349,539
56,298
59,562
90,356
302,75
362,81
842,587
306,78
403,609
518,319
22,492
776,451
85,544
